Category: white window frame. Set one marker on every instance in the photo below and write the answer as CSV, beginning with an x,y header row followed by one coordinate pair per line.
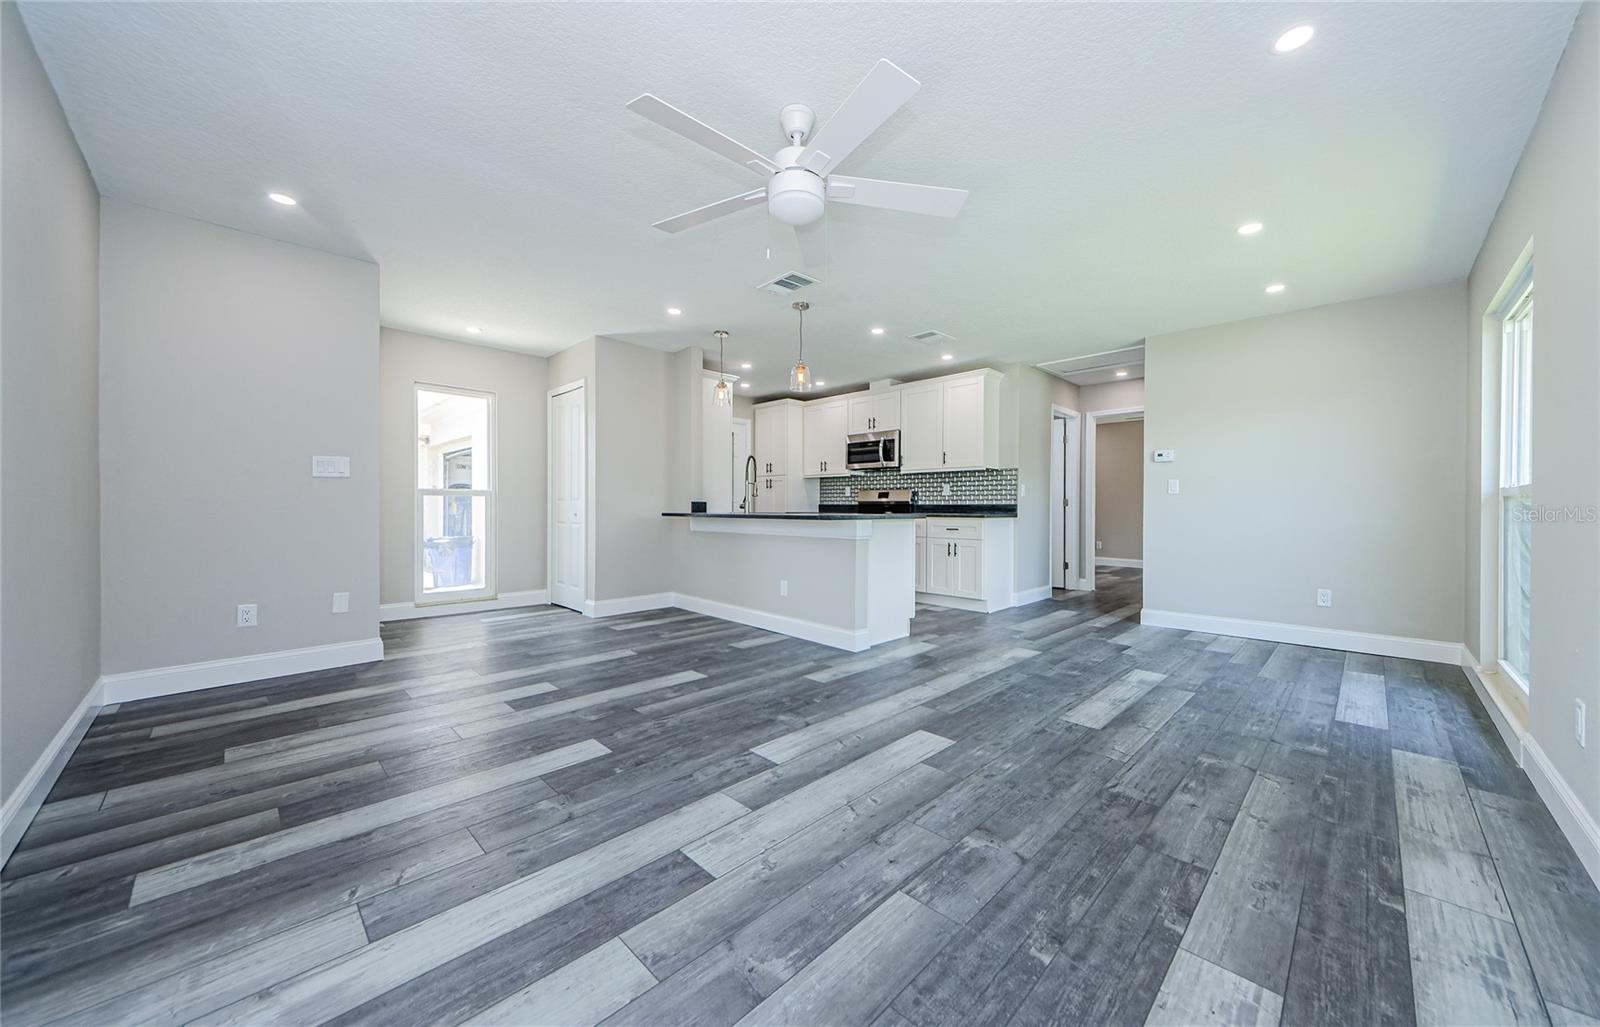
x,y
1514,473
492,556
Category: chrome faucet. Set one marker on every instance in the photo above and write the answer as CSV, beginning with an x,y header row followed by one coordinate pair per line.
x,y
748,504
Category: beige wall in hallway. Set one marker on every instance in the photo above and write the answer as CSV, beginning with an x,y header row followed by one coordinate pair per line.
x,y
227,361
519,382
1119,489
1553,206
50,496
1309,456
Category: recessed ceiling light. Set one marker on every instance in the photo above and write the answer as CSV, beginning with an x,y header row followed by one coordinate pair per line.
x,y
283,198
1122,374
1293,39
1275,288
744,367
674,311
473,329
877,331
821,384
948,356
744,385
1251,228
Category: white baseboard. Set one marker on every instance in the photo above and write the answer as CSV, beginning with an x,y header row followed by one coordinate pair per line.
x,y
1085,585
190,677
26,798
1424,649
1116,561
626,604
504,601
1032,595
959,603
1576,823
811,631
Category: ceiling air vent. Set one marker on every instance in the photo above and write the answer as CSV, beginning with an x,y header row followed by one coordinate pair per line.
x,y
932,336
794,281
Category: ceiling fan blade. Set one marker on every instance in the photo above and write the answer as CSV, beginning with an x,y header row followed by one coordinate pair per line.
x,y
884,91
711,211
670,117
914,199
813,239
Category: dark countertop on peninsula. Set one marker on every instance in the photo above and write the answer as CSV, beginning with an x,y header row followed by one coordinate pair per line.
x,y
845,512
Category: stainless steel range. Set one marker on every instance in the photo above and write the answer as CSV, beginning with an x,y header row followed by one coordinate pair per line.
x,y
886,500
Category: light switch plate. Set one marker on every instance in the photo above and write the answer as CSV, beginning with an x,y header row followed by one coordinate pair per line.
x,y
330,467
341,602
1172,486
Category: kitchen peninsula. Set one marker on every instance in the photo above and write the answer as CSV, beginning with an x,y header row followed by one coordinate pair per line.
x,y
847,580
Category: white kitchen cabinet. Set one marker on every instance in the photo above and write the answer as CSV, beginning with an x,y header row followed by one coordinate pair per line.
x,y
967,562
778,430
826,423
952,423
922,426
772,495
873,411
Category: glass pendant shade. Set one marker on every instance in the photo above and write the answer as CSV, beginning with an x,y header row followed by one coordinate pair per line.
x,y
800,379
721,395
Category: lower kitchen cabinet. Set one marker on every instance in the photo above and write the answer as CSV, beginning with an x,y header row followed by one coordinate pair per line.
x,y
966,562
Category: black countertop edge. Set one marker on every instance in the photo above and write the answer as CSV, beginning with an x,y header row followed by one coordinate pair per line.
x,y
820,516
848,512
939,509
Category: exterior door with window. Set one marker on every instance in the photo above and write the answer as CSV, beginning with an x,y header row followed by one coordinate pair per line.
x,y
455,495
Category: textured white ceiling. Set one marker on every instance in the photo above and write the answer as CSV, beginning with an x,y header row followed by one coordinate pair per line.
x,y
480,153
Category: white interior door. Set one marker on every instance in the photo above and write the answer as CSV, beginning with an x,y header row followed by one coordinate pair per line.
x,y
741,456
1058,502
568,487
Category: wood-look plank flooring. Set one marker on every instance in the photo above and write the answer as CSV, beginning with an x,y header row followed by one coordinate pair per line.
x,y
1048,815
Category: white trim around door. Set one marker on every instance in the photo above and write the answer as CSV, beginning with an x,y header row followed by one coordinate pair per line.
x,y
1091,422
567,498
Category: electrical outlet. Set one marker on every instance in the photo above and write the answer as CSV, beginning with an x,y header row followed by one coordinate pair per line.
x,y
1324,597
783,586
341,602
947,488
1580,728
1022,490
1098,545
247,615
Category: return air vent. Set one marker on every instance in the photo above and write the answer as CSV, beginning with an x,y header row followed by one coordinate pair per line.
x,y
794,281
931,336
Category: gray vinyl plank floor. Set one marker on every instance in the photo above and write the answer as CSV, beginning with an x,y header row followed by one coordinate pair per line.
x,y
1049,815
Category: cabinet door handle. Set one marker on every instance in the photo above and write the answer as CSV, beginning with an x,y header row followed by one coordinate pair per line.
x,y
944,457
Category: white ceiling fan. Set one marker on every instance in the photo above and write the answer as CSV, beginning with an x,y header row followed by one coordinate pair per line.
x,y
800,177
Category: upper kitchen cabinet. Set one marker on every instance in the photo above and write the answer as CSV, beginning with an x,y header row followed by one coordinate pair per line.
x,y
873,411
825,427
951,424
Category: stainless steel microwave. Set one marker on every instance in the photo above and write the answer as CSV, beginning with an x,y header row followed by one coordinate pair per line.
x,y
873,449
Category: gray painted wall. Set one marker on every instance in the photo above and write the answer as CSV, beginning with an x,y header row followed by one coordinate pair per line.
x,y
519,382
50,500
1119,489
1316,449
1553,204
631,469
227,361
1125,395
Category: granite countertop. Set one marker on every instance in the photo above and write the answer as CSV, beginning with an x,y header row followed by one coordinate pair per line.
x,y
847,512
824,515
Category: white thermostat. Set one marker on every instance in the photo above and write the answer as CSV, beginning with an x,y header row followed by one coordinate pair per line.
x,y
1164,456
330,467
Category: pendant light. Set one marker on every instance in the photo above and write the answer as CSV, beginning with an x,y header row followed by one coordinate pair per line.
x,y
721,395
800,379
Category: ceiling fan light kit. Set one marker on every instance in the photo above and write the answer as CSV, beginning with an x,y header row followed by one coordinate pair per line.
x,y
800,180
